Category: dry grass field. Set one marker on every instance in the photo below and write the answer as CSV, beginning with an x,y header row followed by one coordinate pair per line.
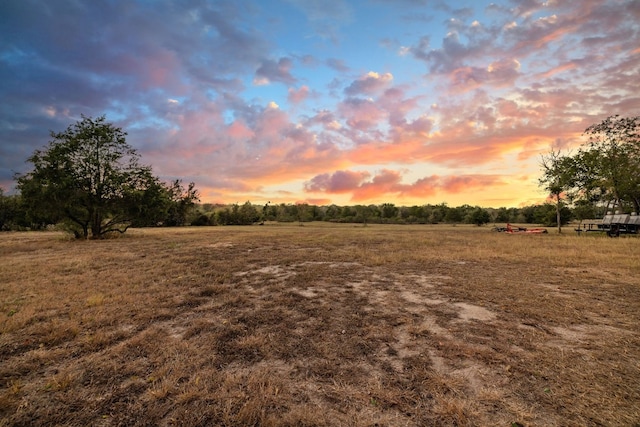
x,y
320,325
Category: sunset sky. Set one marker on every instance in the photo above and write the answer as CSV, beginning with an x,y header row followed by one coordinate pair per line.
x,y
323,101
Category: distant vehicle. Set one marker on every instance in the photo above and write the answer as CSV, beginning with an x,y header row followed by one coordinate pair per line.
x,y
613,224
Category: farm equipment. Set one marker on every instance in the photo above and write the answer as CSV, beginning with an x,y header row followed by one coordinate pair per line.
x,y
613,224
520,230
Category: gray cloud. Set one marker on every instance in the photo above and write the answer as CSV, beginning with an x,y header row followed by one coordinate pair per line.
x,y
275,71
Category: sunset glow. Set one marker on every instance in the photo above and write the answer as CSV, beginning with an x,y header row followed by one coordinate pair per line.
x,y
335,101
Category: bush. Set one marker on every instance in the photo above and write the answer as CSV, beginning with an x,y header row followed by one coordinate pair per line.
x,y
201,220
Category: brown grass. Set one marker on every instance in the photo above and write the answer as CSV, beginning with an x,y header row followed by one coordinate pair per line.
x,y
321,325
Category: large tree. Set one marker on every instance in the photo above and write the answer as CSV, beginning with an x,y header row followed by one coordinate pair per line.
x,y
92,179
606,169
615,144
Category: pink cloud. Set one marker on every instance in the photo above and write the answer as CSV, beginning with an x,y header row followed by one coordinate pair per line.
x,y
421,126
501,73
361,114
456,184
338,182
388,184
559,69
325,118
397,106
298,96
279,151
263,149
369,84
239,130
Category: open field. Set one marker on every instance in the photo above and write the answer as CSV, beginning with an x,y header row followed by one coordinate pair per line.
x,y
320,325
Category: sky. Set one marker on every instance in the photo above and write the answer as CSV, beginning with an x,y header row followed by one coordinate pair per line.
x,y
343,102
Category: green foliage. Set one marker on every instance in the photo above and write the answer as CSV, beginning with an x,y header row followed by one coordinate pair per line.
x,y
91,180
203,219
614,146
606,169
546,214
165,205
363,214
388,210
584,209
181,202
303,212
373,214
507,215
10,211
480,217
557,178
246,214
438,213
454,215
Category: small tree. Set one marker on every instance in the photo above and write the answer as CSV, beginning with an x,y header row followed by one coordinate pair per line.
x,y
388,210
480,216
7,211
557,178
180,202
454,215
89,176
302,213
502,215
248,214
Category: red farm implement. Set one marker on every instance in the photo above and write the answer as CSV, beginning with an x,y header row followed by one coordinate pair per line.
x,y
509,229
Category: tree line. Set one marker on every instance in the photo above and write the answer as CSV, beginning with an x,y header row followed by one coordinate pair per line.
x,y
386,213
15,215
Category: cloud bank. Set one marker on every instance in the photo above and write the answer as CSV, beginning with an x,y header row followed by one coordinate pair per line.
x,y
292,100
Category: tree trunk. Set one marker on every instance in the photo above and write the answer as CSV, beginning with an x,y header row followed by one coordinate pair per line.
x,y
96,225
558,220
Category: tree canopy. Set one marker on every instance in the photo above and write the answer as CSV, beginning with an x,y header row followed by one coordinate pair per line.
x,y
604,170
89,178
614,145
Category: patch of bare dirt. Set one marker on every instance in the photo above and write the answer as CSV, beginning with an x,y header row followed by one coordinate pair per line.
x,y
474,312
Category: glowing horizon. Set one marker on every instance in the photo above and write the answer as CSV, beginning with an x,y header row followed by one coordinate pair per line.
x,y
334,102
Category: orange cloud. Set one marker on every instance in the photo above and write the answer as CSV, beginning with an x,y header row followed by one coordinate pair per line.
x,y
559,69
457,184
338,182
375,152
361,114
388,184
